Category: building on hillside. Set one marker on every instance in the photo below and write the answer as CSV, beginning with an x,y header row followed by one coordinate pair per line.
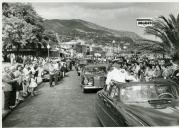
x,y
110,49
68,45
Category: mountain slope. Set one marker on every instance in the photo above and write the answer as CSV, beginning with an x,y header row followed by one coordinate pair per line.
x,y
117,33
81,26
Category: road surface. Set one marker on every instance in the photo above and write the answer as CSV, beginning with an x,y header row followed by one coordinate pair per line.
x,y
61,106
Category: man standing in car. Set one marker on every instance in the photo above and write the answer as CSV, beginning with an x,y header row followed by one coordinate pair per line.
x,y
117,74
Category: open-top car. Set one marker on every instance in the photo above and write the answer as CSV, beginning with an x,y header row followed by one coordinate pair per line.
x,y
154,103
93,77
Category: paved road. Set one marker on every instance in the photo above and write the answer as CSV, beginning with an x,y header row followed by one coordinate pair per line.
x,y
61,106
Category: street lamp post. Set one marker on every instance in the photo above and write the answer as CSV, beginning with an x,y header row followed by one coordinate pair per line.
x,y
113,42
48,47
124,47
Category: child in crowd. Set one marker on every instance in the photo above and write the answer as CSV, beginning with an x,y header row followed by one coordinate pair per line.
x,y
33,84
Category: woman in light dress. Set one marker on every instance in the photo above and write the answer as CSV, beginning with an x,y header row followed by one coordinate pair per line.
x,y
33,84
39,77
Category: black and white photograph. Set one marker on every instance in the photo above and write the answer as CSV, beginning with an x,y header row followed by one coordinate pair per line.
x,y
90,64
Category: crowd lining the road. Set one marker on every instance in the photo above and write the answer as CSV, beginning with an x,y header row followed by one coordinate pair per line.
x,y
20,79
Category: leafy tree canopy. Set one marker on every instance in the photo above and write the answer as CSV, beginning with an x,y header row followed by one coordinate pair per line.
x,y
168,31
23,27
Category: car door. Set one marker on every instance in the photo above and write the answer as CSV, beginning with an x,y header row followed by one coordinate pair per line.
x,y
108,106
101,109
116,107
111,108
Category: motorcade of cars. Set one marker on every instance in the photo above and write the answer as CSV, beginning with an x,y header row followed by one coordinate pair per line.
x,y
153,103
93,77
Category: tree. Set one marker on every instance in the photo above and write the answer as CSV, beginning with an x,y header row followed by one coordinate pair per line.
x,y
50,37
146,46
22,27
168,31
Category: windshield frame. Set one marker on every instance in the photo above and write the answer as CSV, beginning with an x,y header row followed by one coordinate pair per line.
x,y
92,70
172,87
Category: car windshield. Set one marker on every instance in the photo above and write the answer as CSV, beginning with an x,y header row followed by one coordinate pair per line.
x,y
83,62
99,70
95,70
88,70
89,61
143,93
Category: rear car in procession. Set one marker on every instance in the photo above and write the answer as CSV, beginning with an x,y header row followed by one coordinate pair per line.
x,y
81,63
45,73
93,77
154,103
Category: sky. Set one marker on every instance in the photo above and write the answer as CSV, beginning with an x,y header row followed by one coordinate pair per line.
x,y
118,16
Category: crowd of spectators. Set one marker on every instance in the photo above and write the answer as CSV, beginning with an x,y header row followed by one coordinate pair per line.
x,y
136,68
22,77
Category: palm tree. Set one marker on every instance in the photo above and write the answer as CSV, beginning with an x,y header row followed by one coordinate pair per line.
x,y
168,31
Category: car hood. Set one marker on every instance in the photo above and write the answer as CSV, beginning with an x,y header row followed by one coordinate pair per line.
x,y
168,116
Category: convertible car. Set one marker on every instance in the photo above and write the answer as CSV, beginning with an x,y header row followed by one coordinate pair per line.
x,y
93,77
154,103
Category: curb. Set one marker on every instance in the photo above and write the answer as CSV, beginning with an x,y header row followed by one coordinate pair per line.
x,y
5,113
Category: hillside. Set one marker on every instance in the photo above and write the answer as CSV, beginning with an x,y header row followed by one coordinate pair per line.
x,y
117,33
75,28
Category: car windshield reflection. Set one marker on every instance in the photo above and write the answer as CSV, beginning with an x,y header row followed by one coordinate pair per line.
x,y
88,70
99,70
145,93
95,70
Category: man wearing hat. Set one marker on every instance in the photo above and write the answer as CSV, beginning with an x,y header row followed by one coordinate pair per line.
x,y
51,73
117,74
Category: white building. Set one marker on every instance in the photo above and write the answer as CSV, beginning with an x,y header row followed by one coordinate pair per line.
x,y
68,45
